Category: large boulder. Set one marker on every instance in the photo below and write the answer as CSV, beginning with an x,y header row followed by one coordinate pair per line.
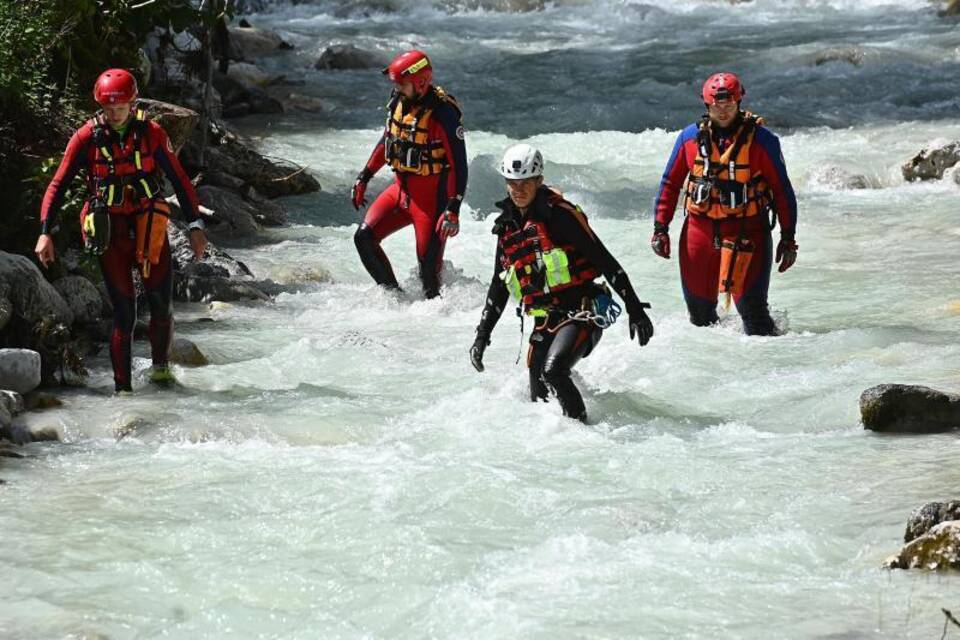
x,y
237,217
932,164
219,261
898,408
82,296
929,516
937,549
837,178
19,370
240,99
6,306
32,297
178,122
185,352
198,288
348,56
228,155
251,42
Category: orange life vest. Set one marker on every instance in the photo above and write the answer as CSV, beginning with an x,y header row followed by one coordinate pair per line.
x,y
407,144
721,185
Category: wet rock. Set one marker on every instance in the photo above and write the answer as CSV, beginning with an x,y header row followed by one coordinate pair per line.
x,y
937,549
32,297
82,296
228,155
930,515
224,180
851,55
250,75
506,6
6,307
236,215
952,8
185,352
837,178
195,288
240,99
268,213
348,56
252,42
12,402
897,408
932,164
40,400
215,258
19,370
178,122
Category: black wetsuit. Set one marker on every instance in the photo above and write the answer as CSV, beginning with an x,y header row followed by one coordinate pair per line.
x,y
554,351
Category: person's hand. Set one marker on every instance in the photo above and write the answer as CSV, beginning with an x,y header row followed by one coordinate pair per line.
x,y
660,242
448,225
359,190
198,242
476,352
46,253
786,253
640,325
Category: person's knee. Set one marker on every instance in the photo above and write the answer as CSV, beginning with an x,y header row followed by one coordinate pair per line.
x,y
364,238
555,370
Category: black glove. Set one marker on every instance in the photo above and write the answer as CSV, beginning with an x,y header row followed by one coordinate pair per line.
x,y
660,242
476,351
786,252
640,324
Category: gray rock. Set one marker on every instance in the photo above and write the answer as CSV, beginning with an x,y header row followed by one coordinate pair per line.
x,y
12,402
6,308
851,55
224,180
82,296
19,370
268,213
937,549
951,9
185,352
837,178
40,400
252,42
250,75
932,164
897,408
348,56
237,217
930,515
240,98
216,259
191,288
177,121
6,421
33,298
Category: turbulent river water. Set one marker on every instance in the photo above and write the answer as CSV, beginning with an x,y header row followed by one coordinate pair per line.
x,y
340,471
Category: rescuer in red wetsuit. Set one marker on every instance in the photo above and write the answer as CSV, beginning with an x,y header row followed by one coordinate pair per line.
x,y
124,219
423,144
731,172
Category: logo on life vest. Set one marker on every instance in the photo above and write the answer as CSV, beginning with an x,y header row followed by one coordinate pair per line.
x,y
460,132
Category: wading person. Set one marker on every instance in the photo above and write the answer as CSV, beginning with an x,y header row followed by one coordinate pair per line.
x,y
124,220
734,174
549,258
423,144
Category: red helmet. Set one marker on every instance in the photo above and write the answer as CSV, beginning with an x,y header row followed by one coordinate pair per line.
x,y
723,86
411,66
115,86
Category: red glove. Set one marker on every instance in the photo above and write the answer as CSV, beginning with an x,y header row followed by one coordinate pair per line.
x,y
448,224
359,189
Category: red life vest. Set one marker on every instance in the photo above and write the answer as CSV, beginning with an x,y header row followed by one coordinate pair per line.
x,y
536,268
124,165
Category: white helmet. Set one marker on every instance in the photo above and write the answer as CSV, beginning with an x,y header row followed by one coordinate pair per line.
x,y
521,161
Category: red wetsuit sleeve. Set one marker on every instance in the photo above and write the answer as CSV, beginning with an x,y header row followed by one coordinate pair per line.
x,y
377,158
672,181
450,131
767,156
167,160
73,158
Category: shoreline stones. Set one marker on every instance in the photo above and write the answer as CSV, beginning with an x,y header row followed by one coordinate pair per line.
x,y
932,164
898,408
20,370
936,550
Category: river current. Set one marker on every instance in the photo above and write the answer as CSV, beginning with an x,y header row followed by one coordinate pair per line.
x,y
340,470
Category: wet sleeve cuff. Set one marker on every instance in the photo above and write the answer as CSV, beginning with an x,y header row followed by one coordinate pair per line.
x,y
454,204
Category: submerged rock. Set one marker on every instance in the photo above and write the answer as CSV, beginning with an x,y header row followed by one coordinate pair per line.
x,y
937,549
185,352
12,402
348,56
837,178
898,408
19,370
39,400
931,165
853,55
930,515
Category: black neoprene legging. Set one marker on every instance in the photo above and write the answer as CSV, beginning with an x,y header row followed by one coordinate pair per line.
x,y
551,358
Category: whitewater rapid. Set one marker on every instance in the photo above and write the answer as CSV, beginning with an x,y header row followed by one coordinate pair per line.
x,y
341,471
